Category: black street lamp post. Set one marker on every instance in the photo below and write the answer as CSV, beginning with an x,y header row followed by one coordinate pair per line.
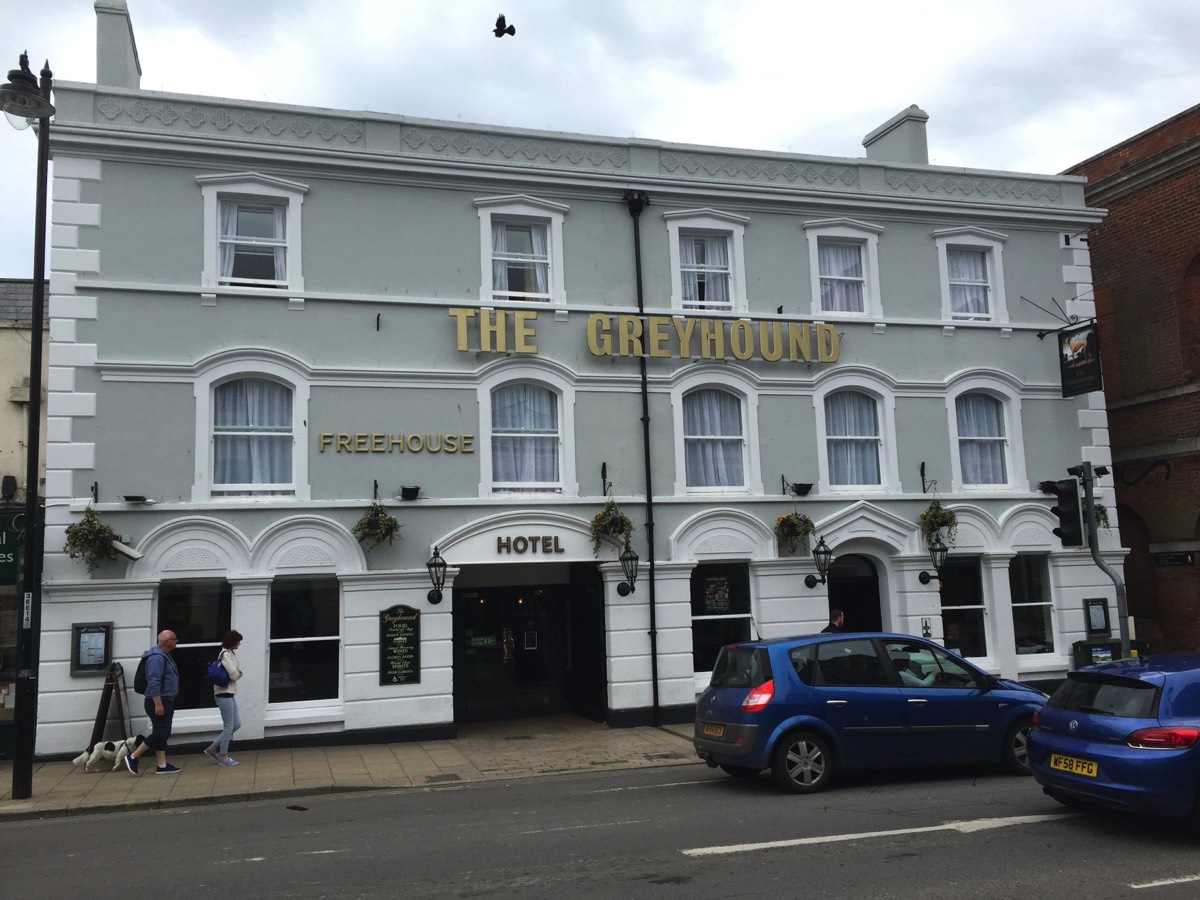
x,y
23,97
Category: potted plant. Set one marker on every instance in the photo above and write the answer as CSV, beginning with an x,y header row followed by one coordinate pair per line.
x,y
89,539
934,518
791,529
376,526
610,521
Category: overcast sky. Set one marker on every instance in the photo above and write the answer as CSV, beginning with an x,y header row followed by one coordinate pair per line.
x,y
1019,85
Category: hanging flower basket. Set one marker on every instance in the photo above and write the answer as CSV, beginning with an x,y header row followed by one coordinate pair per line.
x,y
612,522
1101,512
791,530
376,526
89,539
934,518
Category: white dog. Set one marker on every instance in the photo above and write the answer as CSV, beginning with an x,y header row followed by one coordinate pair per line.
x,y
106,750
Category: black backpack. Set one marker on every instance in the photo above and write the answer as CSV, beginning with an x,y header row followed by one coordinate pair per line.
x,y
139,677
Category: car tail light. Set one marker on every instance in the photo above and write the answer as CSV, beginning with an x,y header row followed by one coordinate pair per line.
x,y
1169,737
759,696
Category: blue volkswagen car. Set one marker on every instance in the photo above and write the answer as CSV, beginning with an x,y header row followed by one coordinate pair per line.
x,y
1125,735
805,707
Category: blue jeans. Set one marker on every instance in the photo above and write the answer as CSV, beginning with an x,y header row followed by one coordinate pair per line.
x,y
231,720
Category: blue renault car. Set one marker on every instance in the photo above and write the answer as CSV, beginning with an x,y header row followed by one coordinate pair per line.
x,y
1125,735
805,707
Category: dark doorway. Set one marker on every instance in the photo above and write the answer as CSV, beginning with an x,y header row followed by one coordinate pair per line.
x,y
854,589
522,650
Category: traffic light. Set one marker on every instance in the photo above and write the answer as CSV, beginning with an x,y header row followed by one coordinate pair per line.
x,y
1068,510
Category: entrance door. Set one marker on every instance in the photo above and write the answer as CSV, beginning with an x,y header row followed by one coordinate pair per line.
x,y
854,589
508,653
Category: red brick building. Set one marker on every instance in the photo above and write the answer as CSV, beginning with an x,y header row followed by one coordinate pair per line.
x,y
1146,272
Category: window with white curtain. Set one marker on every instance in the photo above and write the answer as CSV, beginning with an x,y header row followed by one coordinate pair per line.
x,y
704,271
982,439
714,447
253,243
252,438
252,232
843,286
521,249
852,438
525,439
520,261
971,266
967,271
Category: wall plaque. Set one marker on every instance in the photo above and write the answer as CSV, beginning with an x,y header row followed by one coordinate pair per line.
x,y
400,645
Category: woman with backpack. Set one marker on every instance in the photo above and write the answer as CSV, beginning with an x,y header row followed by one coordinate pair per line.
x,y
226,698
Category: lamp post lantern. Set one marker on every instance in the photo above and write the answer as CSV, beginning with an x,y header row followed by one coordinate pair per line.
x,y
22,96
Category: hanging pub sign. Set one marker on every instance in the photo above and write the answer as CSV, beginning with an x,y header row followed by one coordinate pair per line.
x,y
400,645
1079,360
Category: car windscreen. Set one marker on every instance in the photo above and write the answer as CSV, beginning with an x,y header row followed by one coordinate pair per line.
x,y
741,667
1106,695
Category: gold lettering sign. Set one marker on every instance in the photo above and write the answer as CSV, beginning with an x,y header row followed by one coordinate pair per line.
x,y
401,442
658,337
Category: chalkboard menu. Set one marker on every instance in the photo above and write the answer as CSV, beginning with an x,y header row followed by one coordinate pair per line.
x,y
400,645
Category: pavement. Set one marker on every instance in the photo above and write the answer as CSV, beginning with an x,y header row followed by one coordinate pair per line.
x,y
557,745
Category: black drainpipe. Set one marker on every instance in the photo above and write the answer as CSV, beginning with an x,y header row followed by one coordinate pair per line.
x,y
638,201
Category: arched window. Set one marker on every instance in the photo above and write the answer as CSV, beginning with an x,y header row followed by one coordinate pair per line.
x,y
526,439
982,439
852,438
714,446
252,438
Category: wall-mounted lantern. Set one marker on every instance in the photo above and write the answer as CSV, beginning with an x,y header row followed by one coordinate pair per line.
x,y
822,556
437,575
629,566
937,555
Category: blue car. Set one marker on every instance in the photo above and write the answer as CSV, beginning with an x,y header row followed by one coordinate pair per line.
x,y
1123,734
805,707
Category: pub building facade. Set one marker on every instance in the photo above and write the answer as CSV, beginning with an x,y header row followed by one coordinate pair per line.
x,y
266,317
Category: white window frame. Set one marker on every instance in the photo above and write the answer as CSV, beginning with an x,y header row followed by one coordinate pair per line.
x,y
1010,401
253,188
846,231
991,244
565,392
233,369
715,223
748,395
521,208
863,382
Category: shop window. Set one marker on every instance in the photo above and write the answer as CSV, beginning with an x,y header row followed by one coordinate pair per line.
x,y
713,439
305,640
252,438
1032,609
720,610
199,612
964,613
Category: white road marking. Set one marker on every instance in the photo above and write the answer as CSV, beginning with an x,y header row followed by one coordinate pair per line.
x,y
318,852
1166,881
593,825
648,787
966,827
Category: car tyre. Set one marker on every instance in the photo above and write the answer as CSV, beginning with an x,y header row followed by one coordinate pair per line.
x,y
1015,752
802,763
739,771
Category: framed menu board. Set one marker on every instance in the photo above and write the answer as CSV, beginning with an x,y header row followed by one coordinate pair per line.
x,y
400,645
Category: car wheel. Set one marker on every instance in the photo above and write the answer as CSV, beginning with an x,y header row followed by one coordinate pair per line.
x,y
739,771
1015,751
802,763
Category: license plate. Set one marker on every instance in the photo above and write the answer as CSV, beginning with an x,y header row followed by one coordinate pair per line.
x,y
713,729
1073,765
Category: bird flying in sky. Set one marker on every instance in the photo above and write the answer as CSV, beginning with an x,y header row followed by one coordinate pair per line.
x,y
501,30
